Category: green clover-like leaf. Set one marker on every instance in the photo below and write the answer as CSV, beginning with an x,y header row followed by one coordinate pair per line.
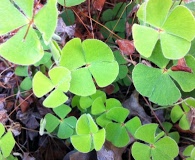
x,y
101,108
156,84
7,141
156,146
180,113
91,58
87,101
88,136
63,126
161,23
28,43
59,81
42,21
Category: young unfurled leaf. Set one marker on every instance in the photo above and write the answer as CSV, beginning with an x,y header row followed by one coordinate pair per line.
x,y
184,114
88,136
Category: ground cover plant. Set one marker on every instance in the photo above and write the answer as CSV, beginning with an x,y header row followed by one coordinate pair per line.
x,y
102,79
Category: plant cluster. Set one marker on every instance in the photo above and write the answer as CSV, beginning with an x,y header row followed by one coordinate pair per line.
x,y
76,75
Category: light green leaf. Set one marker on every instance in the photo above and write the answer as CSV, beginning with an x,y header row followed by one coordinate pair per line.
x,y
184,122
21,71
153,9
78,83
55,99
29,48
70,3
2,129
82,143
146,45
45,59
159,135
98,106
176,113
117,134
41,84
174,26
101,70
86,102
88,136
84,60
164,24
147,128
9,24
99,139
157,56
51,122
60,77
112,102
62,110
112,114
132,125
186,80
146,151
72,55
167,147
26,6
7,144
193,153
42,21
26,84
86,125
65,130
102,120
55,50
101,51
173,47
155,84
187,151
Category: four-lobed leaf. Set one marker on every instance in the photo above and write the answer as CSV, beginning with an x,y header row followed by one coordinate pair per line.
x,y
88,61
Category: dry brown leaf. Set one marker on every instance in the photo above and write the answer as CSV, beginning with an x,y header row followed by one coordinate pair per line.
x,y
24,104
181,66
98,4
3,116
126,47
